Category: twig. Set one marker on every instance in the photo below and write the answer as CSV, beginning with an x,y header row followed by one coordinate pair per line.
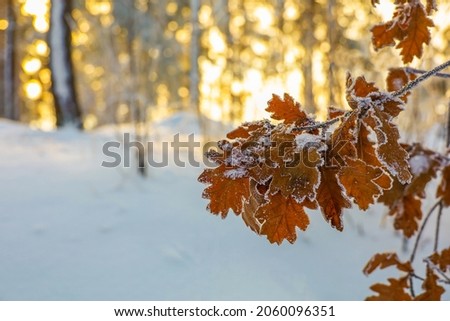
x,y
418,71
414,275
448,125
411,285
325,124
435,268
419,235
418,80
438,225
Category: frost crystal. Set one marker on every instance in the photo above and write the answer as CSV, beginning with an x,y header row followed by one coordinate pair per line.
x,y
306,140
419,164
235,173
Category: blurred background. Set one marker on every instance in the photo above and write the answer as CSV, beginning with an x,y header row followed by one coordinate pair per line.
x,y
142,60
77,73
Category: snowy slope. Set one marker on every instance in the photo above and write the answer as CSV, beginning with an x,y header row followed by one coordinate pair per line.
x,y
73,230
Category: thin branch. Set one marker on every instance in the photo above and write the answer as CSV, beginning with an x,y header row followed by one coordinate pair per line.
x,y
443,275
325,124
419,235
414,275
438,225
448,125
435,268
418,80
419,71
411,285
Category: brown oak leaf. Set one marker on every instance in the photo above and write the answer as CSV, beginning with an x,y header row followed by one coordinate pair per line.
x,y
409,28
363,182
394,291
245,130
432,290
298,177
407,214
384,260
279,218
224,193
442,260
391,154
287,110
416,32
397,78
331,197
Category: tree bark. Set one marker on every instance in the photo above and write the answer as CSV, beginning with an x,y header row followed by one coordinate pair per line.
x,y
63,87
308,42
11,110
195,52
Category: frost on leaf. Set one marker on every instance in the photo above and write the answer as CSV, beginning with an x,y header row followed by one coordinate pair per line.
x,y
404,200
358,91
432,290
334,112
245,130
287,110
364,95
384,260
343,140
363,182
331,197
409,28
298,177
280,217
389,151
224,193
443,190
394,291
366,147
251,205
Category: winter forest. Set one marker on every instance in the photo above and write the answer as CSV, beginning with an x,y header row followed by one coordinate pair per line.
x,y
131,129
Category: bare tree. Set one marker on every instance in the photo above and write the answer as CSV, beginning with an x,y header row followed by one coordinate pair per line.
x,y
195,52
66,105
308,42
11,110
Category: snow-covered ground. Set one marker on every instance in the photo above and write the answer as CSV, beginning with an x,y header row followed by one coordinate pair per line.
x,y
71,229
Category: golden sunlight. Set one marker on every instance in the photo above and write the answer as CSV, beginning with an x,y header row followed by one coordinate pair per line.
x,y
99,7
35,7
33,89
41,48
31,65
385,9
41,24
3,24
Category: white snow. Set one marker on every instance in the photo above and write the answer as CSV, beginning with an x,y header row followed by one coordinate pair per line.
x,y
419,164
73,230
235,173
306,140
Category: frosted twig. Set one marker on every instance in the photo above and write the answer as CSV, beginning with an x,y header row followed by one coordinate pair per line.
x,y
419,71
325,124
418,80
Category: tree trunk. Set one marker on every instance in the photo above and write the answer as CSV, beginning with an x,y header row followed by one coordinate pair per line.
x,y
66,104
331,6
136,107
3,15
308,41
11,110
195,52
